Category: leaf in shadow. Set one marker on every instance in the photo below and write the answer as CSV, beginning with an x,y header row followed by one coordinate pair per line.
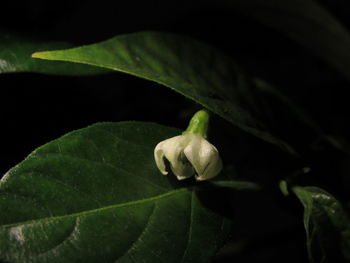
x,y
306,22
15,56
185,65
327,225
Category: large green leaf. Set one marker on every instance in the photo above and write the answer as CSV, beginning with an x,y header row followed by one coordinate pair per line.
x,y
327,225
95,195
191,68
15,56
305,21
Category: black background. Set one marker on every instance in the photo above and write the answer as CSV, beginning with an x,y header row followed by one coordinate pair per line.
x,y
37,108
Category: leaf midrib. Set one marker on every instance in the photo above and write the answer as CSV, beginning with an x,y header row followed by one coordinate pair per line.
x,y
83,213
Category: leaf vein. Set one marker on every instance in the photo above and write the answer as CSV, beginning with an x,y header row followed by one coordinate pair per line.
x,y
189,228
131,203
132,246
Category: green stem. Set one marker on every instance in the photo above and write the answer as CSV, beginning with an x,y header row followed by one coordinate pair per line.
x,y
199,123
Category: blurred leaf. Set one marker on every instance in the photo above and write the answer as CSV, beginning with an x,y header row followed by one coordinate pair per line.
x,y
238,185
15,56
327,225
268,92
96,195
191,68
306,22
284,117
284,187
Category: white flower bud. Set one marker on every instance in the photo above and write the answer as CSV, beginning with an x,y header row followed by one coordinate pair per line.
x,y
188,154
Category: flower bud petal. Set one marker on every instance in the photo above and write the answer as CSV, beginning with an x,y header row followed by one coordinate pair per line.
x,y
188,154
159,158
172,150
204,157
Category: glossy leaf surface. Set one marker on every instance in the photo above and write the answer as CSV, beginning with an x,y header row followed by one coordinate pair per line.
x,y
96,195
327,225
191,68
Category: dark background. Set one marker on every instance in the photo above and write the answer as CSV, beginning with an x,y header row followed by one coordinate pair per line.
x,y
37,108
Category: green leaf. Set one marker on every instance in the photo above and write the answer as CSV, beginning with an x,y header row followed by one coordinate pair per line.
x,y
288,120
96,195
327,225
15,56
191,68
306,22
284,187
